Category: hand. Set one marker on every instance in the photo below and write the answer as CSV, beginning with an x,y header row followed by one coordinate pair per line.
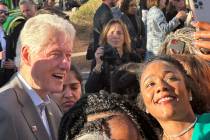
x,y
181,15
202,38
2,55
98,54
9,64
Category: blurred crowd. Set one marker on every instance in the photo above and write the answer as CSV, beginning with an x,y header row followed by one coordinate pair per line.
x,y
149,76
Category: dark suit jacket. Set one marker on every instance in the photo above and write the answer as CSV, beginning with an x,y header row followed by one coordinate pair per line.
x,y
102,16
6,74
19,118
135,34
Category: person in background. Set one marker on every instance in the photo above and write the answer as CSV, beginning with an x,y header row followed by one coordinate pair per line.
x,y
7,54
135,26
173,99
144,11
158,27
72,90
43,60
173,7
114,51
102,16
116,10
105,116
28,10
49,3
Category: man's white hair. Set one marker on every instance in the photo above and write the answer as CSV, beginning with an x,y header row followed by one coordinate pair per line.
x,y
36,32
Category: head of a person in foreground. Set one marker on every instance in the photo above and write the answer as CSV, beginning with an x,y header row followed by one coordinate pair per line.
x,y
105,115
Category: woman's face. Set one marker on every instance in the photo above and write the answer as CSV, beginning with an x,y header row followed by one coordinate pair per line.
x,y
115,36
71,92
132,8
164,91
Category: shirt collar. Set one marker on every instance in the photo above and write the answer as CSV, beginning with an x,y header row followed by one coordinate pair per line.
x,y
37,100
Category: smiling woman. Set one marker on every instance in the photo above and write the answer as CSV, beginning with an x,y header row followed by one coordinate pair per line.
x,y
114,51
173,100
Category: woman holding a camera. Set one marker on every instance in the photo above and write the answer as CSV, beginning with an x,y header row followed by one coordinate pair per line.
x,y
114,50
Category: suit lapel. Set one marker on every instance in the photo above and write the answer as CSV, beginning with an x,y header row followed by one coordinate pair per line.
x,y
51,122
30,112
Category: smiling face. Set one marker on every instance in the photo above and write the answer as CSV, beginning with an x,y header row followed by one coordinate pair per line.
x,y
115,36
48,67
71,93
164,91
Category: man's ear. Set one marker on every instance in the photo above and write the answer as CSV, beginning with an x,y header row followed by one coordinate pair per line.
x,y
25,55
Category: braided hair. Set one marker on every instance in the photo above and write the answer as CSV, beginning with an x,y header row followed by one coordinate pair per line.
x,y
184,35
74,122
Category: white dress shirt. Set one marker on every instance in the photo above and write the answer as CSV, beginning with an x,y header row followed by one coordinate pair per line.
x,y
38,102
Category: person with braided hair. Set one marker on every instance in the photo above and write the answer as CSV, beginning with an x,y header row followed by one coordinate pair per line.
x,y
105,116
182,39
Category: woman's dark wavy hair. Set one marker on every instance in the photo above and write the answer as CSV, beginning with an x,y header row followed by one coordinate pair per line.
x,y
124,6
124,81
74,121
198,103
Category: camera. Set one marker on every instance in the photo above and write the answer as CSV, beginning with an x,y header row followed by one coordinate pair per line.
x,y
110,54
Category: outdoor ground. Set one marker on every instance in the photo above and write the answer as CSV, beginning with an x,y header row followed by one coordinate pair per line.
x,y
82,19
80,48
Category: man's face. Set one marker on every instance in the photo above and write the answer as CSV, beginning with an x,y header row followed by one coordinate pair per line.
x,y
48,68
28,10
3,13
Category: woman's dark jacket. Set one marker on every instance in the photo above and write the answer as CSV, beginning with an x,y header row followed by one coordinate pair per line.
x,y
101,80
136,30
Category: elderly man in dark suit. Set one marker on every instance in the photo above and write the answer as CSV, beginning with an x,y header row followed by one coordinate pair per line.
x,y
43,60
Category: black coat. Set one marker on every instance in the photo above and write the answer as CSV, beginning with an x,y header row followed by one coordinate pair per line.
x,y
136,41
102,16
6,74
98,81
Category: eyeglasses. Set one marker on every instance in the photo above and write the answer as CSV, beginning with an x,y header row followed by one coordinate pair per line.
x,y
6,13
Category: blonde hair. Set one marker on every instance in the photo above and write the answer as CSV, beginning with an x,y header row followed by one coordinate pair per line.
x,y
35,33
127,40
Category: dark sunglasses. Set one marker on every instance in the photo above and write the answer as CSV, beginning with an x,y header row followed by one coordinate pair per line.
x,y
6,13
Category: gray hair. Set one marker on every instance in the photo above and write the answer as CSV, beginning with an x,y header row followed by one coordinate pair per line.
x,y
35,33
30,2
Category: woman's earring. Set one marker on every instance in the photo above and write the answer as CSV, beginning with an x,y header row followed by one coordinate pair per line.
x,y
190,98
147,111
